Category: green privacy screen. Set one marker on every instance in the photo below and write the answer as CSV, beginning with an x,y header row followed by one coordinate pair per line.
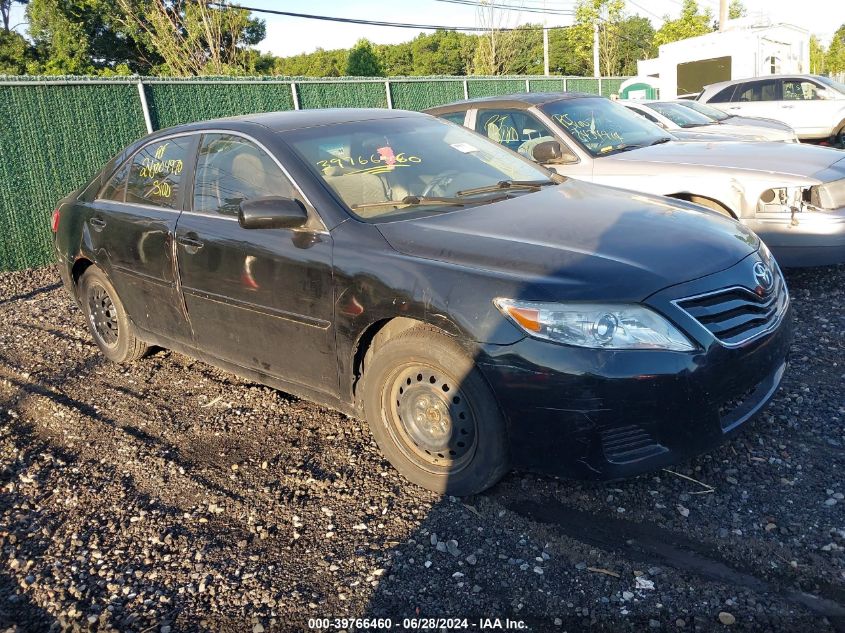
x,y
58,131
53,139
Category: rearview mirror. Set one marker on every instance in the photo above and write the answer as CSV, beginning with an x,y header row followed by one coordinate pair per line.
x,y
552,152
271,212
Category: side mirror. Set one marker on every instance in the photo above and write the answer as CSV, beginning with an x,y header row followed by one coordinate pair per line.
x,y
824,93
552,152
272,212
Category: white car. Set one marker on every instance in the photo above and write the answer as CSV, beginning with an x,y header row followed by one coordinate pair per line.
x,y
813,106
680,120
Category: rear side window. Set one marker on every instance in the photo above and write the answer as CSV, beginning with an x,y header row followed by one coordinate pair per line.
x,y
455,117
511,128
156,173
115,189
757,91
725,94
230,170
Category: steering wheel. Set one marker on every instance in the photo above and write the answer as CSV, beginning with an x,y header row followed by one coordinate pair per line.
x,y
442,180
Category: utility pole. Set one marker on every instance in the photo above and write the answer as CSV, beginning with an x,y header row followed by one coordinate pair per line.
x,y
545,41
596,69
546,51
723,14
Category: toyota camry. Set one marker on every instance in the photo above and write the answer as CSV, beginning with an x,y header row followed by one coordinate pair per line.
x,y
478,311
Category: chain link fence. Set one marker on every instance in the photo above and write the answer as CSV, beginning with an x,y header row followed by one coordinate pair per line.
x,y
57,132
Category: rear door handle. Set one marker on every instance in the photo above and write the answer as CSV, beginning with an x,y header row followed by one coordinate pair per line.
x,y
787,107
98,223
191,244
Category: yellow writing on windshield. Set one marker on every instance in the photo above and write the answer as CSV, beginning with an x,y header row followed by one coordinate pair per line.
x,y
378,160
586,130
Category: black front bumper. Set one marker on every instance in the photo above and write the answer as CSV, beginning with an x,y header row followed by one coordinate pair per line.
x,y
604,414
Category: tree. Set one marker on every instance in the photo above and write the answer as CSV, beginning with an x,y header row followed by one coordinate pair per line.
x,y
84,36
441,53
609,14
566,53
636,35
736,10
320,63
396,59
362,61
691,23
192,37
835,57
817,56
15,53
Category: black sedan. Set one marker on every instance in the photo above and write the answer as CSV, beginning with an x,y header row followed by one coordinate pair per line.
x,y
478,311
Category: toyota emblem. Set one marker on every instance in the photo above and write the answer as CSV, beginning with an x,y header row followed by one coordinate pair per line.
x,y
763,276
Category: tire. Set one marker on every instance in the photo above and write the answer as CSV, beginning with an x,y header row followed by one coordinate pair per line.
x,y
838,138
432,413
108,322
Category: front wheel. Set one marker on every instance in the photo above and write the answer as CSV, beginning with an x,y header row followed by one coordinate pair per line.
x,y
433,415
108,322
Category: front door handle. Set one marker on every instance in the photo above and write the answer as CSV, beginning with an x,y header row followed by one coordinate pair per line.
x,y
787,107
191,243
97,223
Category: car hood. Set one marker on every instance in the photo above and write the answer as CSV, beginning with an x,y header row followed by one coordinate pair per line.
x,y
794,159
691,135
734,134
772,124
579,241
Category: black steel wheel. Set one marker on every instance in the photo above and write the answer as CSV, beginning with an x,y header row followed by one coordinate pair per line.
x,y
108,322
432,413
102,315
430,418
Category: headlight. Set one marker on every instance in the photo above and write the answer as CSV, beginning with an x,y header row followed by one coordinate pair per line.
x,y
604,326
782,199
830,195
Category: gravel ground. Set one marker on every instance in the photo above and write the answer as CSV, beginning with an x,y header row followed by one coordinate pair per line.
x,y
169,496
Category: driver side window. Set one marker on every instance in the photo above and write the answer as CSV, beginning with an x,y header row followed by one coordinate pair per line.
x,y
230,170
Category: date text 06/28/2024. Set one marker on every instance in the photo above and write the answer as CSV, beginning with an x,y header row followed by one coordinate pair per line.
x,y
416,624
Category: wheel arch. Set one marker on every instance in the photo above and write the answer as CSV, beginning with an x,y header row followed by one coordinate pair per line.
x,y
375,334
705,201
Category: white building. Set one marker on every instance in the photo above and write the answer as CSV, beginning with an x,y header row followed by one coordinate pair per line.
x,y
748,47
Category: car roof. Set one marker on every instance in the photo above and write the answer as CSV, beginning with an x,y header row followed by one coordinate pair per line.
x,y
520,100
729,82
285,121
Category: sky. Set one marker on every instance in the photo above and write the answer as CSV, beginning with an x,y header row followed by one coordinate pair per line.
x,y
289,36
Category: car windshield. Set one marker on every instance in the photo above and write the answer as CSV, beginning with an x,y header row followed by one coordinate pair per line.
x,y
702,108
395,168
832,83
679,115
603,127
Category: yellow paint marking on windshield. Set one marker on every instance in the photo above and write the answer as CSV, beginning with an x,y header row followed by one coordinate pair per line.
x,y
380,162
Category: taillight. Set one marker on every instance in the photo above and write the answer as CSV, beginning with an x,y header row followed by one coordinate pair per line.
x,y
55,223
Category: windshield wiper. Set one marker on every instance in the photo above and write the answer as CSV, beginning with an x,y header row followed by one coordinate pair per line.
x,y
622,147
507,184
412,201
662,139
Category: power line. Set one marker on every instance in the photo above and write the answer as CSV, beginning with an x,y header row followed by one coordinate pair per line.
x,y
505,7
398,25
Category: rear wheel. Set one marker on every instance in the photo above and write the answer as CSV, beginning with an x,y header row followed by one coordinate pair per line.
x,y
433,414
107,320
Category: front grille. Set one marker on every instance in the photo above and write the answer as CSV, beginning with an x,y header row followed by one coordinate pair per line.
x,y
737,315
